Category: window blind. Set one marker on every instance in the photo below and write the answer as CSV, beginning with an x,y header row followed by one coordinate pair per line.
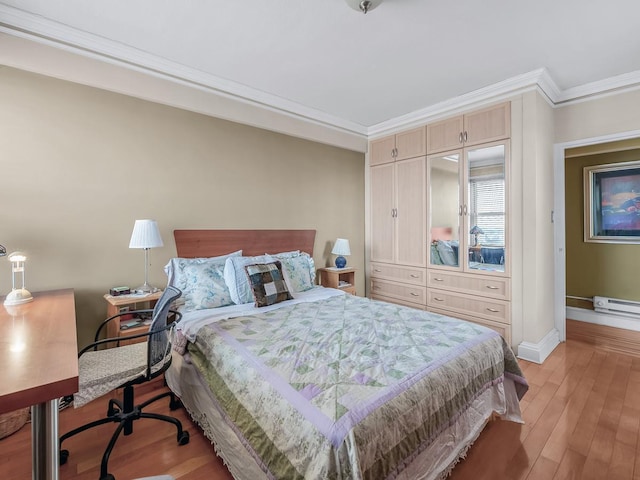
x,y
487,202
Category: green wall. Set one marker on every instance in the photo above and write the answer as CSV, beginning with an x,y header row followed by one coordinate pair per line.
x,y
604,269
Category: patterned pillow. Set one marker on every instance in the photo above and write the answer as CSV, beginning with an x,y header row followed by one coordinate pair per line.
x,y
267,283
299,271
236,277
175,268
205,286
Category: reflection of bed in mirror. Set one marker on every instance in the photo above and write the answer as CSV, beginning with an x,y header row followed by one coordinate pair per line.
x,y
445,251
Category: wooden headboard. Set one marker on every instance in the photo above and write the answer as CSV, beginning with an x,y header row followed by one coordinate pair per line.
x,y
211,243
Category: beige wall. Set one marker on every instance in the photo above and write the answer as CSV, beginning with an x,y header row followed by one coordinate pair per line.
x,y
606,115
78,165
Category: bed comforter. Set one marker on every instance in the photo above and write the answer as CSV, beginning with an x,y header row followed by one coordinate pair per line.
x,y
345,387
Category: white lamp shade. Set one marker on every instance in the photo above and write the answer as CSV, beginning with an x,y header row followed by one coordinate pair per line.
x,y
341,247
145,235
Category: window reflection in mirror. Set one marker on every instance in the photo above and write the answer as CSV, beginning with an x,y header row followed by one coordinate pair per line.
x,y
486,208
444,204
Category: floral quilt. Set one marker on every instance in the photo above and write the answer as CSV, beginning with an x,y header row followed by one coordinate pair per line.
x,y
346,387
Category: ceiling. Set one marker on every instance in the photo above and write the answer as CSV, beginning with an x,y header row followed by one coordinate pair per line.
x,y
323,61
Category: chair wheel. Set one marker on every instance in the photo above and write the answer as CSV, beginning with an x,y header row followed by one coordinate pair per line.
x,y
183,439
175,403
64,455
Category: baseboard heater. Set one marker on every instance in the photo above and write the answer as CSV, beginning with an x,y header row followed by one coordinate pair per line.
x,y
628,308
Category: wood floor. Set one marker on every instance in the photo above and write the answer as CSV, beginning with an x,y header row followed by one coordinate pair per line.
x,y
582,421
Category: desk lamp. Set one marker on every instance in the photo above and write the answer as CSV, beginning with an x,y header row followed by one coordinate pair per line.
x,y
145,235
340,248
17,295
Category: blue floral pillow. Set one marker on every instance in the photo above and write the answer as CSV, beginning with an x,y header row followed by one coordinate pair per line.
x,y
175,268
299,271
205,286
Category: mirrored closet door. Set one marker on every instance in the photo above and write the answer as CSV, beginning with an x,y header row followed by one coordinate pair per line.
x,y
468,209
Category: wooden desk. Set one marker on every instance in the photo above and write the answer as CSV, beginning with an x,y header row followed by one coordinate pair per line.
x,y
39,364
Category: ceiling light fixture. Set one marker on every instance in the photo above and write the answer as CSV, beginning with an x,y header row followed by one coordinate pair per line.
x,y
363,5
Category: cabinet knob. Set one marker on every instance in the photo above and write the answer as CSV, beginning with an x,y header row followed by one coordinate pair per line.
x,y
413,275
438,279
493,310
377,270
464,137
413,294
460,137
491,287
438,299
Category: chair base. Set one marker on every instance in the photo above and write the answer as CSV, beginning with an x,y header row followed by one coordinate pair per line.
x,y
124,413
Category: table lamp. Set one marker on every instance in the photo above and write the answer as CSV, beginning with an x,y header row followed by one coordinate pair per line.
x,y
341,248
145,235
475,231
17,295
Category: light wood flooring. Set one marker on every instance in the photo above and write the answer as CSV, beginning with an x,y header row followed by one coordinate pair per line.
x,y
582,421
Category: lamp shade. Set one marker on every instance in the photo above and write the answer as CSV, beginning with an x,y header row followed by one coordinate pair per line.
x,y
476,230
145,235
19,294
341,247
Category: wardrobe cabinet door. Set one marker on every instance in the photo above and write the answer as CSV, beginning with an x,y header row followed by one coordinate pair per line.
x,y
383,213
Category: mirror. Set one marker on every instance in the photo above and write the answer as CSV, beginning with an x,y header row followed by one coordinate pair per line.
x,y
486,204
444,203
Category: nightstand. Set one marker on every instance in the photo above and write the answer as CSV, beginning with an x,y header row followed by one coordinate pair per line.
x,y
340,278
124,303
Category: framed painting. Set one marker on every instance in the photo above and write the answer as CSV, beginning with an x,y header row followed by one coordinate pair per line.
x,y
612,203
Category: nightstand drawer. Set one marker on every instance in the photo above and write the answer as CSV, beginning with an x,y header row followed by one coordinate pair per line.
x,y
490,309
415,276
486,286
400,291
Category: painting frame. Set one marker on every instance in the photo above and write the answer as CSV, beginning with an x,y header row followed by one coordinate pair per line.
x,y
612,203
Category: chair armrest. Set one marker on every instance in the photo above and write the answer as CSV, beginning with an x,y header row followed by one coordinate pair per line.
x,y
97,343
105,322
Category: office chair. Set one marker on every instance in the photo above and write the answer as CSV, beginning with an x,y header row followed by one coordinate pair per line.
x,y
101,371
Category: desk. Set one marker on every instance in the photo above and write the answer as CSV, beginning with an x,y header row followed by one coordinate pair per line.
x,y
39,363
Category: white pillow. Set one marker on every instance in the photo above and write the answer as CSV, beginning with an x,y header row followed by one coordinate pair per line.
x,y
175,268
236,278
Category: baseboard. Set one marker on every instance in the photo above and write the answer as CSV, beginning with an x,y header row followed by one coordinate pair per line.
x,y
605,319
538,352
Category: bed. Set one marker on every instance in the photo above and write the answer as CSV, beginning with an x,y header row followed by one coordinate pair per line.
x,y
324,384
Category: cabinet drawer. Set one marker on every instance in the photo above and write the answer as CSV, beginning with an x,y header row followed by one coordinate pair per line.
x,y
398,302
487,308
492,287
502,328
400,291
413,275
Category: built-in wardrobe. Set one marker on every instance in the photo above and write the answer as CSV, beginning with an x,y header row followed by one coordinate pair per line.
x,y
440,227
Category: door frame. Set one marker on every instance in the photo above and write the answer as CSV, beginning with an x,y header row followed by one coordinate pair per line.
x,y
560,274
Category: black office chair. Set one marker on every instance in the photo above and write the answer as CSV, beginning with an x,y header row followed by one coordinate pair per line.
x,y
101,371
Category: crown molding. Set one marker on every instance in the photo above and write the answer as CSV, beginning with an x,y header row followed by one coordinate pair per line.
x,y
608,86
41,30
535,80
280,114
